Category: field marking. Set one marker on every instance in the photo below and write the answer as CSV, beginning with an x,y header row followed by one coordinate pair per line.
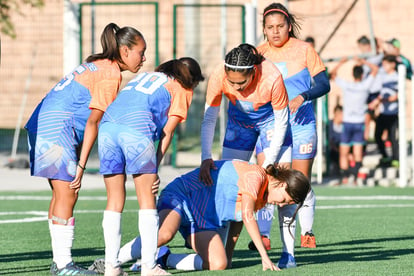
x,y
103,198
34,216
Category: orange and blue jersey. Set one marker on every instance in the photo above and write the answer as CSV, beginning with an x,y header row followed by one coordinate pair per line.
x,y
298,62
146,103
257,101
210,207
57,125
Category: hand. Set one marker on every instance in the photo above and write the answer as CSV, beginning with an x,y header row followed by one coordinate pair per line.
x,y
268,264
206,166
296,103
77,182
156,186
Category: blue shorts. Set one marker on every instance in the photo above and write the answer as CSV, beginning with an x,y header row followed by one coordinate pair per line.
x,y
123,149
172,198
353,133
246,138
305,141
54,153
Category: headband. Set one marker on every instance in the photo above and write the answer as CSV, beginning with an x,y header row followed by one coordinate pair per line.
x,y
238,66
276,10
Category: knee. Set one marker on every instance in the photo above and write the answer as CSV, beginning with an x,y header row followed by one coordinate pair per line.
x,y
165,237
218,264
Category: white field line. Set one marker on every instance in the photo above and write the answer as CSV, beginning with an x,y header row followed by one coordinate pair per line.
x,y
103,198
42,215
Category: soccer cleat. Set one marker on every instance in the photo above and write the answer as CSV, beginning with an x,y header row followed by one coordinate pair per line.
x,y
308,240
114,271
70,269
98,266
156,270
266,243
286,261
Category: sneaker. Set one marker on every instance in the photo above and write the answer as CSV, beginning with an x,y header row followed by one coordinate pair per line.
x,y
98,266
114,271
266,243
136,267
308,240
286,261
157,270
70,269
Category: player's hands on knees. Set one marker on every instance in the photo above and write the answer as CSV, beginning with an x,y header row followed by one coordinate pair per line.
x,y
77,182
269,265
156,186
206,166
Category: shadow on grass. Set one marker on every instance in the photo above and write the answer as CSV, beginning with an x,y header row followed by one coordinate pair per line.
x,y
30,268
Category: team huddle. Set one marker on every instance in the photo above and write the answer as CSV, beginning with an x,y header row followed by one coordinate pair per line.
x,y
270,113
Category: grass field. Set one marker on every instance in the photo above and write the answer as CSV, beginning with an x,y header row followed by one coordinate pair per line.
x,y
359,231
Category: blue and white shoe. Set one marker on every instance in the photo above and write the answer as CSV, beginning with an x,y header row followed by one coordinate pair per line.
x,y
286,261
70,269
162,256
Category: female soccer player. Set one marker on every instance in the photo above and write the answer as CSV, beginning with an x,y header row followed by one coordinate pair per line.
x,y
64,126
299,63
201,211
146,111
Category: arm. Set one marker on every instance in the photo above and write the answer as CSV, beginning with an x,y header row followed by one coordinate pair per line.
x,y
207,135
321,88
166,137
279,132
252,228
91,132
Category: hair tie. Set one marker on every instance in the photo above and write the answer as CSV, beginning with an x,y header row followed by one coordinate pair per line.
x,y
276,10
238,66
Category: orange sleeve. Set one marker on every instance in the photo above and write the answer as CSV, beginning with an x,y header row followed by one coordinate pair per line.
x,y
314,62
215,86
180,100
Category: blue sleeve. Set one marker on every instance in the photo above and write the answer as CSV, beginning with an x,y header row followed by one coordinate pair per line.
x,y
320,88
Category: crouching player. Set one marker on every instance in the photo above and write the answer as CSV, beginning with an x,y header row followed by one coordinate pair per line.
x,y
201,211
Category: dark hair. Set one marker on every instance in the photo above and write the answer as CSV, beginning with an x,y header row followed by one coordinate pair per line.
x,y
298,185
181,71
390,58
310,39
290,18
363,40
244,56
114,37
194,68
338,107
357,72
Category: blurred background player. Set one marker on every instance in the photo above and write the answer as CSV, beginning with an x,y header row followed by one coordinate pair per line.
x,y
64,126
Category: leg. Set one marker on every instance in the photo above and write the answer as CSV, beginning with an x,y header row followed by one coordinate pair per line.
x,y
148,220
379,129
63,224
233,235
344,162
111,223
209,246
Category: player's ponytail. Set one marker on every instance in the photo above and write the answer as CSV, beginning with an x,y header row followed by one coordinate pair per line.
x,y
112,38
186,71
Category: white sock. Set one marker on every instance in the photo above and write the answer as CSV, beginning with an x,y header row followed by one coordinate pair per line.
x,y
285,216
307,213
185,261
148,229
265,218
62,241
111,225
130,251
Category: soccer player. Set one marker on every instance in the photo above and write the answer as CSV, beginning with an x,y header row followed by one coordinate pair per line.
x,y
200,212
299,64
146,112
64,126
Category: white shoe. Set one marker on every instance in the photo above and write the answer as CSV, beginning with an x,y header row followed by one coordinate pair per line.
x,y
157,270
114,271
